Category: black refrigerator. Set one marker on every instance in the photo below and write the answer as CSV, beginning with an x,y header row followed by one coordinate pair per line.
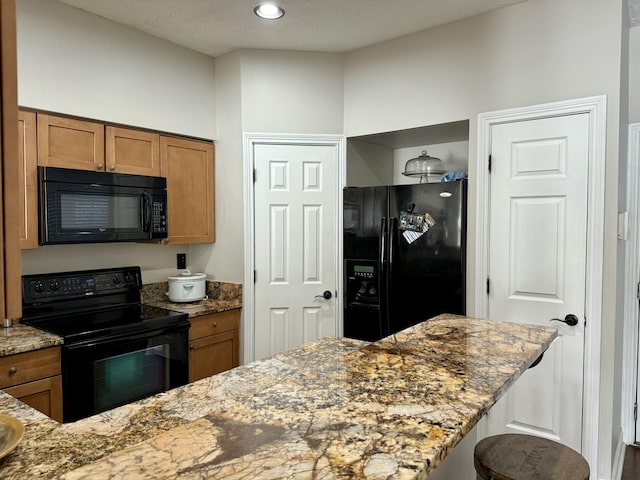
x,y
404,256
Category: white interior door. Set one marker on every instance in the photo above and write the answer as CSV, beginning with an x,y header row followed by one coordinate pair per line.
x,y
537,265
296,225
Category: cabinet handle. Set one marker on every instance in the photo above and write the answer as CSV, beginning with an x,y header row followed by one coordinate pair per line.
x,y
192,346
215,324
100,167
13,370
112,168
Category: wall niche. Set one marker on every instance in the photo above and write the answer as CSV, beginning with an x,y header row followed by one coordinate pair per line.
x,y
379,158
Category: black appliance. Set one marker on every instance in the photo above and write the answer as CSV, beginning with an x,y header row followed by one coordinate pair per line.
x,y
404,256
80,206
115,349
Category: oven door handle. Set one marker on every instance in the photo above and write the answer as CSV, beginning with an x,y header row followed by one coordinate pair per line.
x,y
91,343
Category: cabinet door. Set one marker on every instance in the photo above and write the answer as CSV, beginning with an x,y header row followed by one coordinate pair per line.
x,y
44,395
132,151
70,143
28,184
188,166
213,354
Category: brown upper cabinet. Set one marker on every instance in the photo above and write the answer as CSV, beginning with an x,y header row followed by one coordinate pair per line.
x,y
70,143
132,151
85,145
28,184
188,166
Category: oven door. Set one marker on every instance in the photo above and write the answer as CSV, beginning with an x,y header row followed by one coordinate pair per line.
x,y
104,374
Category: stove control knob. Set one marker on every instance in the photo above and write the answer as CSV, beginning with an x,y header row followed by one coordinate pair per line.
x,y
128,278
54,286
38,287
116,280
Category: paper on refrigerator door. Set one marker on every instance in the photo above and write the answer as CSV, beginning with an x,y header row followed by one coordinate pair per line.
x,y
409,222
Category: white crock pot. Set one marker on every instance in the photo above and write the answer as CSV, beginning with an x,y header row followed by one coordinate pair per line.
x,y
187,287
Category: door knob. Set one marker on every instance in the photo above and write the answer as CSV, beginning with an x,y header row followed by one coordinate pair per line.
x,y
326,295
570,320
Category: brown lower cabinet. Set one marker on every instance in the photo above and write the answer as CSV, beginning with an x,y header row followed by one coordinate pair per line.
x,y
214,343
34,378
44,395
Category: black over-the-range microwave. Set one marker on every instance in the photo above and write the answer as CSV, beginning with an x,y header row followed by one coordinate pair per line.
x,y
78,206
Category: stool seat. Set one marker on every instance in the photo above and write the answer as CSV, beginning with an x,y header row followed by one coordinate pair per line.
x,y
524,457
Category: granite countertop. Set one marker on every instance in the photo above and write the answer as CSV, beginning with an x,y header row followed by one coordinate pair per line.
x,y
333,408
222,296
21,338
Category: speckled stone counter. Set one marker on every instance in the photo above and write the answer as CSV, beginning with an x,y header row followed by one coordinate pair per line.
x,y
334,408
23,338
221,296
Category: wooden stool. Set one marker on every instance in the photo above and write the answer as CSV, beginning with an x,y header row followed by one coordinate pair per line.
x,y
523,457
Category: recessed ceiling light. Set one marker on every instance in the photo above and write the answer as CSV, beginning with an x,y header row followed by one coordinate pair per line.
x,y
269,11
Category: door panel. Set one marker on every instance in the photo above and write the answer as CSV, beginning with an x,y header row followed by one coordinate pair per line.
x,y
537,259
532,219
295,246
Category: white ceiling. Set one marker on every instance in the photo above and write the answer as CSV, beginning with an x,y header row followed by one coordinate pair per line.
x,y
216,27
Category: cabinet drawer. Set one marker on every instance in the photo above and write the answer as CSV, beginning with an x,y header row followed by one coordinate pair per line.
x,y
216,323
29,366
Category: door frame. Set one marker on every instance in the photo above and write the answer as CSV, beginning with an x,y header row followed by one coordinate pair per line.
x,y
250,141
596,108
631,344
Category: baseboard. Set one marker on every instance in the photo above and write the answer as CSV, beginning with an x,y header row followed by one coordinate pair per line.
x,y
618,459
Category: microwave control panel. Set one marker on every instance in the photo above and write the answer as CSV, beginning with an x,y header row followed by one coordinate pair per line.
x,y
159,215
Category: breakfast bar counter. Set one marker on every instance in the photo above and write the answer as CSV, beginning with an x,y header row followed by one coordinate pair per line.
x,y
333,408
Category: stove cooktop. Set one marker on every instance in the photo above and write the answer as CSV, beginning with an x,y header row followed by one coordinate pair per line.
x,y
91,304
107,322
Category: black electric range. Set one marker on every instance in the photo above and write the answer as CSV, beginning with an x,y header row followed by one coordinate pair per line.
x,y
116,350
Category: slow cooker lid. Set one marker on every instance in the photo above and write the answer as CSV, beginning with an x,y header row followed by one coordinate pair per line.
x,y
187,277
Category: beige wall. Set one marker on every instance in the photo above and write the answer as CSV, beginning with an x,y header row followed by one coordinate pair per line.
x,y
534,52
223,260
73,62
292,92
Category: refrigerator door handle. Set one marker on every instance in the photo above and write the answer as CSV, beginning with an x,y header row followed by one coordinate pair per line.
x,y
383,241
384,298
391,239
